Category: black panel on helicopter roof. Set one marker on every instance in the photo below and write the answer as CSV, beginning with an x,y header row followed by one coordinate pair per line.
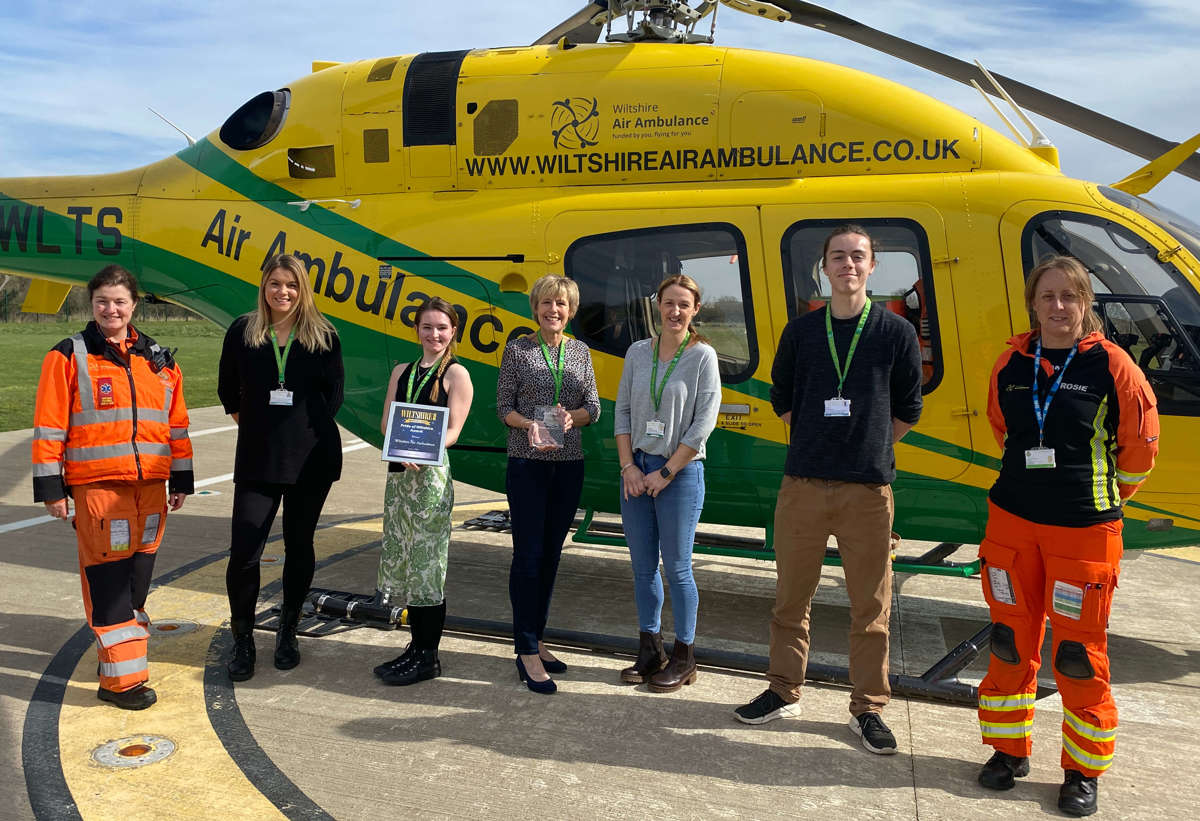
x,y
430,97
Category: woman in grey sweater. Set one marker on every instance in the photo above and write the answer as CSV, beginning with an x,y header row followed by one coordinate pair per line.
x,y
667,406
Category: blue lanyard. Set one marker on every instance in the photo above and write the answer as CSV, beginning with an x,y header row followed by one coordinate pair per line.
x,y
1041,409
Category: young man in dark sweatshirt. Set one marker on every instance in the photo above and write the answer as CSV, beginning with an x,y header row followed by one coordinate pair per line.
x,y
847,381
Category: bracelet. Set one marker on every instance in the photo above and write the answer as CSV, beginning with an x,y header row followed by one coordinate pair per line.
x,y
626,467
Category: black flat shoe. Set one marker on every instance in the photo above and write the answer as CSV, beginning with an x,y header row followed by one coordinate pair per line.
x,y
1078,794
1001,771
544,687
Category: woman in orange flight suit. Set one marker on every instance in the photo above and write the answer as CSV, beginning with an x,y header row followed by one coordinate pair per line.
x,y
110,426
1079,429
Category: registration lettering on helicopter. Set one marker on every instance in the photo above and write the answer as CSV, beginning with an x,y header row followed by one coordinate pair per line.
x,y
20,223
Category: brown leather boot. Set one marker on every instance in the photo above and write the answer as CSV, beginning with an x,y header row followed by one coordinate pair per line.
x,y
650,659
680,670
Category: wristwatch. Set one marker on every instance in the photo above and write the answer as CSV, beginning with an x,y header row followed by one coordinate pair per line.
x,y
665,472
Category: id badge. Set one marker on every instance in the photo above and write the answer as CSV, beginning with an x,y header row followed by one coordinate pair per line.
x,y
837,407
656,428
281,396
1039,458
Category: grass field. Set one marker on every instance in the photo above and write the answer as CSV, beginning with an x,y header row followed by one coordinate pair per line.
x,y
24,344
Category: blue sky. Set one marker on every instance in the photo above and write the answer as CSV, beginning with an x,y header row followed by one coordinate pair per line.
x,y
76,78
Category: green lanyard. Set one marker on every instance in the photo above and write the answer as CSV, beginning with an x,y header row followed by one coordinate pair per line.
x,y
281,361
412,374
837,364
656,390
556,372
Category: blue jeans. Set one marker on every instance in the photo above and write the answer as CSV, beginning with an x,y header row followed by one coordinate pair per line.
x,y
542,499
665,525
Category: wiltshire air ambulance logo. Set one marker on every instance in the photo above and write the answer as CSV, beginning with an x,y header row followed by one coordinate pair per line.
x,y
575,122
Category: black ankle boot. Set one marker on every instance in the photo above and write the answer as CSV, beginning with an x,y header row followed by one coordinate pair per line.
x,y
650,659
287,648
241,663
422,663
1078,794
1001,771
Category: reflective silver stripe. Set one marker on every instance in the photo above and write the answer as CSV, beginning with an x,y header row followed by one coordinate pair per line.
x,y
44,469
179,433
1131,478
50,434
1018,729
1020,701
116,669
86,400
141,616
154,448
98,417
152,415
99,452
167,392
1089,731
181,464
1092,762
115,637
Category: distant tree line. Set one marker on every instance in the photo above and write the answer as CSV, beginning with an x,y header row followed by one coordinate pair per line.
x,y
75,308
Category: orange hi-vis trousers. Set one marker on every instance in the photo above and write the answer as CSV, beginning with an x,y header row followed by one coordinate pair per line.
x,y
1032,571
119,526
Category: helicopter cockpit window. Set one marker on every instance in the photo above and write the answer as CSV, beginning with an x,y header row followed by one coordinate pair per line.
x,y
1147,306
258,121
902,280
618,275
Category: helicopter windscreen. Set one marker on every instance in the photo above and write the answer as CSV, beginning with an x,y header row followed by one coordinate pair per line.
x,y
1147,306
1175,224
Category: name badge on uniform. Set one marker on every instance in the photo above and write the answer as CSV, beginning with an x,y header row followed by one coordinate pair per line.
x,y
837,407
281,396
656,428
1039,458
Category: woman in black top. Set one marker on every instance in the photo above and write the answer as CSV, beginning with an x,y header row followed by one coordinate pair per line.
x,y
281,380
545,393
419,498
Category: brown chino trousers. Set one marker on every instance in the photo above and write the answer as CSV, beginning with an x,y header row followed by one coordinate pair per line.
x,y
807,512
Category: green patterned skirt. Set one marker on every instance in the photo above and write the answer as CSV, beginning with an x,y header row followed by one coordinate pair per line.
x,y
416,535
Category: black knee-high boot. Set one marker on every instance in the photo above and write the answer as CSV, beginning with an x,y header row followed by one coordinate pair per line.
x,y
423,663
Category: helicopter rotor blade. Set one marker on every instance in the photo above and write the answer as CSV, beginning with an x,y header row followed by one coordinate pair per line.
x,y
1106,129
578,28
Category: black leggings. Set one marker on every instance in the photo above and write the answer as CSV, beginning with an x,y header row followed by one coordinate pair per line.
x,y
254,507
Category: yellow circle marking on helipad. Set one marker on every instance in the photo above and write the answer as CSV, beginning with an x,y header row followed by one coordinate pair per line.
x,y
199,775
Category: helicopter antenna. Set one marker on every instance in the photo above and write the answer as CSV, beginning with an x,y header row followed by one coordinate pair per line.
x,y
190,139
1016,131
1039,140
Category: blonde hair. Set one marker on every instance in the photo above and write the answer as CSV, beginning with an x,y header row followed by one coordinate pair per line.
x,y
442,306
554,285
1080,280
687,283
311,329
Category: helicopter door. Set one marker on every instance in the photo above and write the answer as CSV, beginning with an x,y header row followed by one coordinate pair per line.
x,y
911,279
618,259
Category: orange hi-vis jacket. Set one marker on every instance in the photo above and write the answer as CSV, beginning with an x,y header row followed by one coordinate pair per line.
x,y
108,415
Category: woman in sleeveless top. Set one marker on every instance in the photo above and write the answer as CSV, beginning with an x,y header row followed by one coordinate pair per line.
x,y
419,498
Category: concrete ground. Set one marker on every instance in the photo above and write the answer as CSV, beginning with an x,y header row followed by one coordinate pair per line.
x,y
328,740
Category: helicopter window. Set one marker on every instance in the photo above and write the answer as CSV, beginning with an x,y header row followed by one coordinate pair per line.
x,y
375,145
258,121
618,275
312,163
902,280
1148,308
382,70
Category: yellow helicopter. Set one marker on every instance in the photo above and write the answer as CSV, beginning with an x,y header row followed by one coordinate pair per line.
x,y
468,174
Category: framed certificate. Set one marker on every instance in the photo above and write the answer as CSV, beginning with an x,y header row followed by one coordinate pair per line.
x,y
416,433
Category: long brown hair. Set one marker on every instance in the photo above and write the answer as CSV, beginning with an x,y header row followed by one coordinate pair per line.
x,y
436,303
1080,280
687,283
311,328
